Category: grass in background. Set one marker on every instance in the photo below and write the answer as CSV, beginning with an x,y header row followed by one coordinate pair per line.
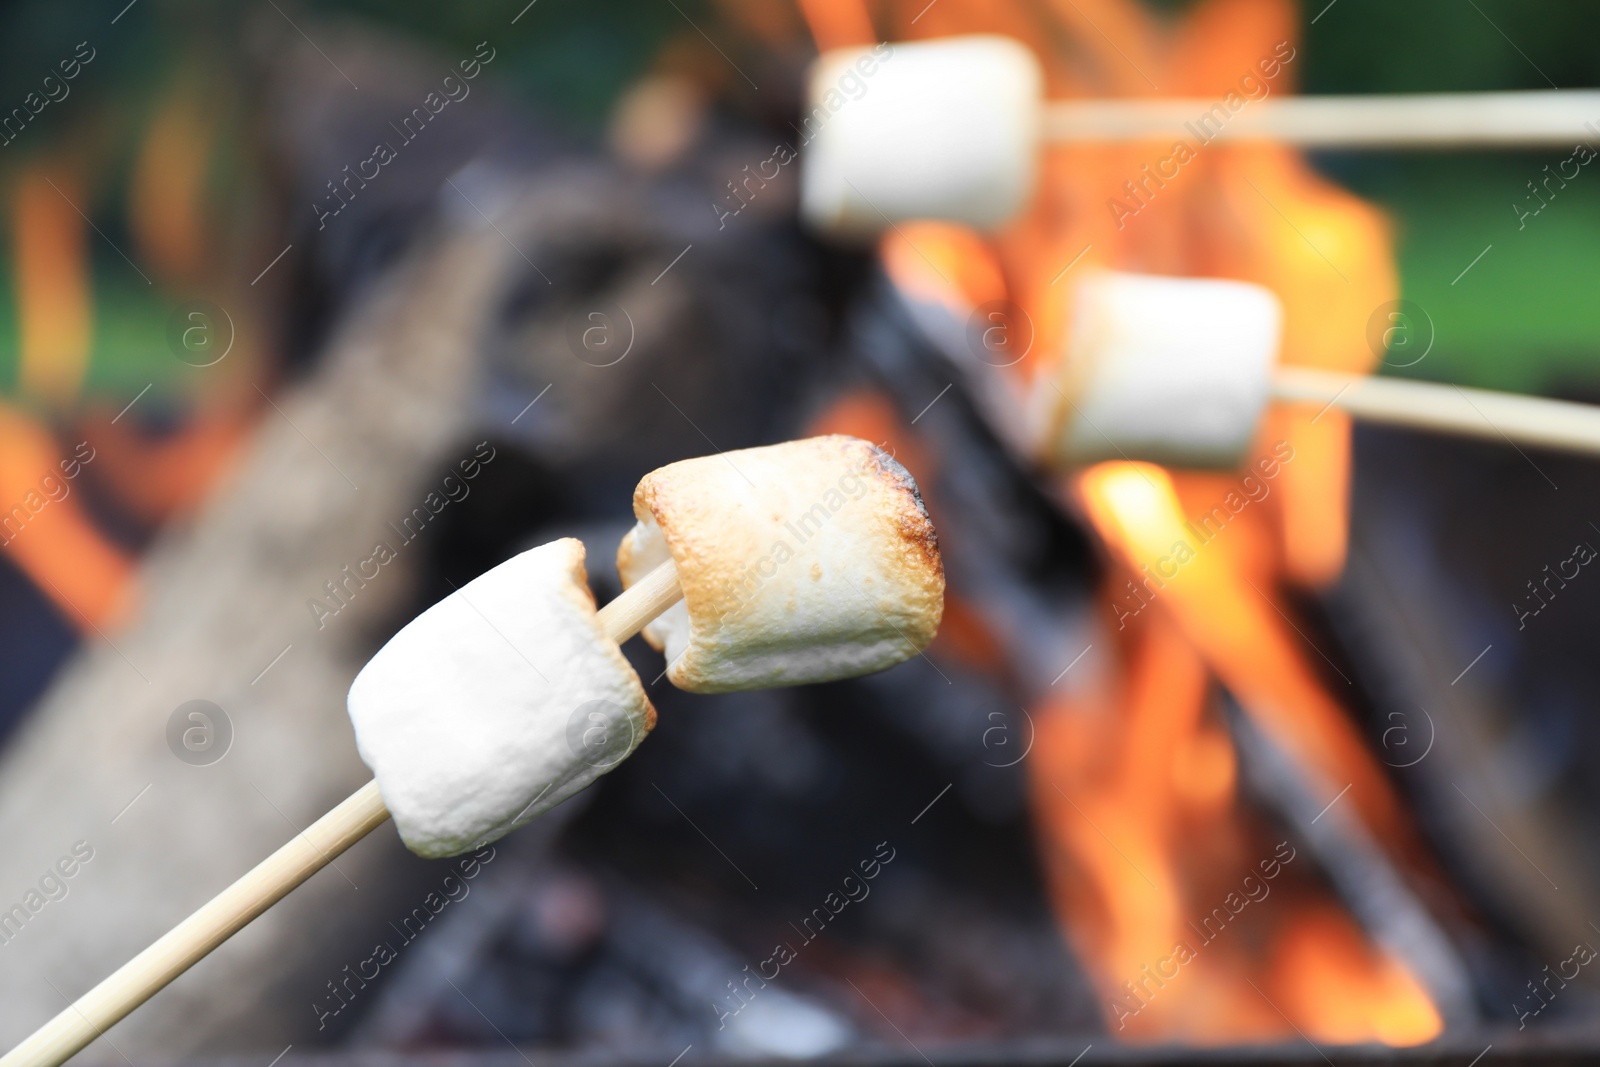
x,y
1526,316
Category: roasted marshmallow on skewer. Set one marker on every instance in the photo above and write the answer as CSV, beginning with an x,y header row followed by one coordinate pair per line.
x,y
951,128
800,562
1172,370
509,696
943,129
1179,371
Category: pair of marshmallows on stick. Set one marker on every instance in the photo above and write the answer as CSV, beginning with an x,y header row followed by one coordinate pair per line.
x,y
803,562
951,128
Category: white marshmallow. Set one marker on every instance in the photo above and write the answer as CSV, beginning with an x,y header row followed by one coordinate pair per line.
x,y
1170,370
496,704
942,129
801,562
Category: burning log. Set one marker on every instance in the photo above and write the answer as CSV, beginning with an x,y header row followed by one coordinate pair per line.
x,y
1373,887
224,610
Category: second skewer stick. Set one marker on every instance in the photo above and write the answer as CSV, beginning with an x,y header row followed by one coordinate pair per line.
x,y
1560,425
1551,117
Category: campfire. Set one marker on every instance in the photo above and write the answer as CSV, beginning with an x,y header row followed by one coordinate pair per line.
x,y
960,400
1152,850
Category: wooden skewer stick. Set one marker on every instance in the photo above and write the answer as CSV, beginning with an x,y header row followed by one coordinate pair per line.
x,y
641,602
1553,117
271,880
1529,420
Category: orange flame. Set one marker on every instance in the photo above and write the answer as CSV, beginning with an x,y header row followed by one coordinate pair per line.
x,y
1201,589
46,532
1144,837
837,23
166,201
51,260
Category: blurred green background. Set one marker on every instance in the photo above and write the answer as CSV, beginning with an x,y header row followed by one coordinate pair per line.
x,y
1526,316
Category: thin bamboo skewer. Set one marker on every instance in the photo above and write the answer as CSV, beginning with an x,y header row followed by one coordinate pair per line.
x,y
1528,420
1552,117
271,880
